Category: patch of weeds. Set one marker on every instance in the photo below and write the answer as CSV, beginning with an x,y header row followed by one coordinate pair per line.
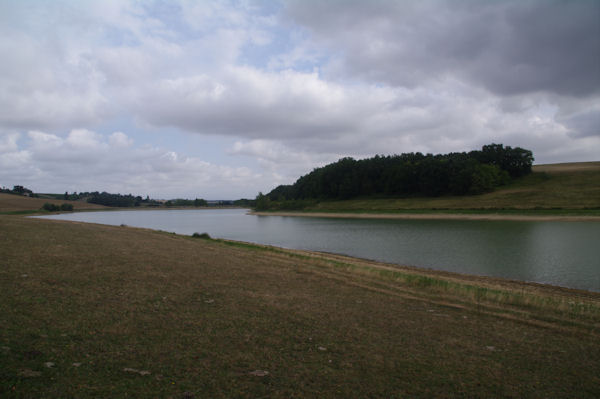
x,y
204,236
246,245
419,281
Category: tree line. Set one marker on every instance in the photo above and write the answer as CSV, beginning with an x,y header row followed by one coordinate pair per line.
x,y
186,202
458,173
18,190
120,200
124,201
115,200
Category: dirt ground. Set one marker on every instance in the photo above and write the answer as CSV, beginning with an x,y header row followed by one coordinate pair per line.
x,y
12,203
105,311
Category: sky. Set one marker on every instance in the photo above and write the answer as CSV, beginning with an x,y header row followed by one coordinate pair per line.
x,y
223,99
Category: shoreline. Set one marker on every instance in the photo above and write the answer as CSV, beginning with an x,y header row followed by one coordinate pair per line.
x,y
487,281
478,279
482,281
433,216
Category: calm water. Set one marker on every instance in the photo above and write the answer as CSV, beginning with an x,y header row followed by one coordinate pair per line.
x,y
559,253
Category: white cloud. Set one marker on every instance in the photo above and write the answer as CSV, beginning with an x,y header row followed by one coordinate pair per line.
x,y
8,142
284,163
289,84
247,102
119,140
87,161
44,141
83,139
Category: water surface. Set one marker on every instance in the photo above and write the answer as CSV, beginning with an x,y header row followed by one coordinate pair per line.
x,y
553,252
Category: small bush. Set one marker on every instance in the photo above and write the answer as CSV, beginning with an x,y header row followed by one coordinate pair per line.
x,y
51,207
66,207
204,236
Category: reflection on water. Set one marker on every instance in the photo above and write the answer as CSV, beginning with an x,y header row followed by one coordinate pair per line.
x,y
560,253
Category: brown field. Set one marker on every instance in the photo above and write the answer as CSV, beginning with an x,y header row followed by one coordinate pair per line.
x,y
567,167
104,311
16,203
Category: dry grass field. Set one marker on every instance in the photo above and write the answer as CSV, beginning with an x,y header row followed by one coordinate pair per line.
x,y
18,203
92,311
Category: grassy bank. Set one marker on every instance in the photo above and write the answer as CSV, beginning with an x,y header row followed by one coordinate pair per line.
x,y
102,311
557,189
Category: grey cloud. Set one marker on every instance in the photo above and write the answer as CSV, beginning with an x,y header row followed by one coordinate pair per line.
x,y
307,114
549,45
585,124
509,47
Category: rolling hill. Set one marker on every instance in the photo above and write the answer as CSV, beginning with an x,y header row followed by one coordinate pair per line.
x,y
565,186
18,203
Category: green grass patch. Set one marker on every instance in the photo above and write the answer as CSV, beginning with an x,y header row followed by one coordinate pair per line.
x,y
22,212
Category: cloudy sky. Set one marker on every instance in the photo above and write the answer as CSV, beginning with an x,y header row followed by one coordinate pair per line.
x,y
223,99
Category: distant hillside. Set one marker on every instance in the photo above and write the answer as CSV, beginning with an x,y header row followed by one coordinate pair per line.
x,y
553,186
20,203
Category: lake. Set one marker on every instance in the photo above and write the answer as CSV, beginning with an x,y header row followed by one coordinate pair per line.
x,y
558,253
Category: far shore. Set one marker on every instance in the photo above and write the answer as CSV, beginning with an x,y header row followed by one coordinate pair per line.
x,y
435,216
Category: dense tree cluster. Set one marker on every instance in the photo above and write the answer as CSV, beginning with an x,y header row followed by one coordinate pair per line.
x,y
55,208
462,173
116,200
186,202
244,202
119,200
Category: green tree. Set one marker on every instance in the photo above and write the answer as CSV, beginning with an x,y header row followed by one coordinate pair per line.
x,y
200,202
409,174
485,178
262,202
21,190
51,207
66,207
